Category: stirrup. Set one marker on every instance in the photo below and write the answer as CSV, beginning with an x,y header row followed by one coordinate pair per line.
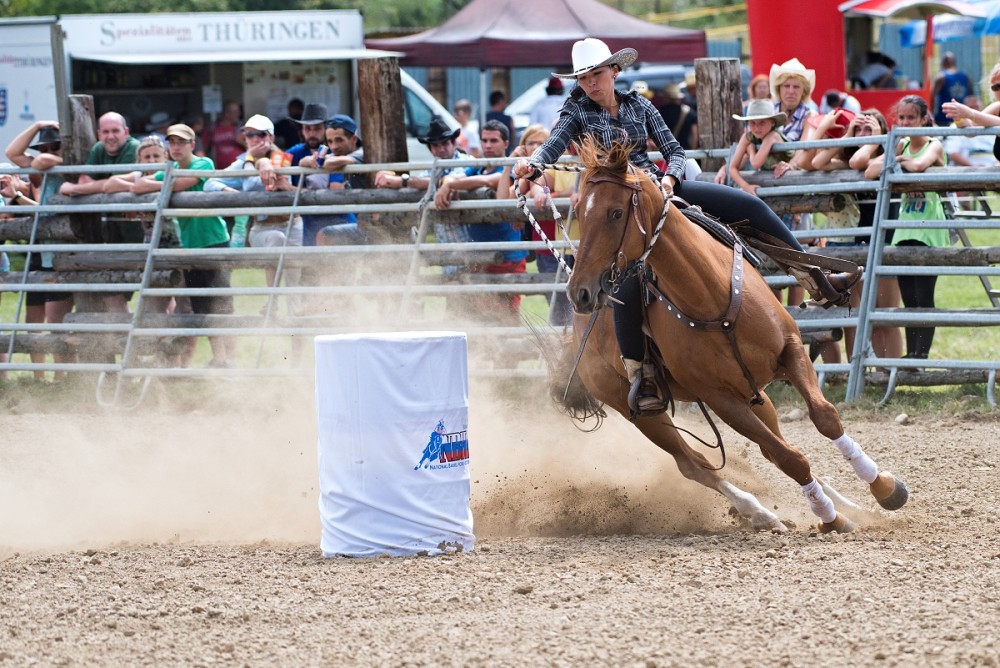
x,y
827,290
644,396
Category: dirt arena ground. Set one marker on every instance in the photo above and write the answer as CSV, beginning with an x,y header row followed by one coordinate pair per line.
x,y
190,537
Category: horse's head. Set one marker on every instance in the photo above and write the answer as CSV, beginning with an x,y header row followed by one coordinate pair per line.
x,y
618,209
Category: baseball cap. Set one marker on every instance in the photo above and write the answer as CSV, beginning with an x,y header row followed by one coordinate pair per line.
x,y
258,122
182,131
344,122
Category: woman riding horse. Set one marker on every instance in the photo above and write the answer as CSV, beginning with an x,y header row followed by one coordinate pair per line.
x,y
595,108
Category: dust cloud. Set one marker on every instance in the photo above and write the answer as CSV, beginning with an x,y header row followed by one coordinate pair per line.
x,y
240,468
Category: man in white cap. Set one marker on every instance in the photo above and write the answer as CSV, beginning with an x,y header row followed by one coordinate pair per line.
x,y
266,231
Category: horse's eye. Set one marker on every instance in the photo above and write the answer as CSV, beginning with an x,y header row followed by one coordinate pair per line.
x,y
617,214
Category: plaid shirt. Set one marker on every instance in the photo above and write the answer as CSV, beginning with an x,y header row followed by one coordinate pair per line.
x,y
637,120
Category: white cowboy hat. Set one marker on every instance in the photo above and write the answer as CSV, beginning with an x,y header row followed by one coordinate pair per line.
x,y
759,110
591,53
791,68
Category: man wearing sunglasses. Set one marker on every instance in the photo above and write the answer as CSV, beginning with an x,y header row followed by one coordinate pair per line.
x,y
266,231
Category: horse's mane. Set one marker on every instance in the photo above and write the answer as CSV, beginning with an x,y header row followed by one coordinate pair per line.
x,y
613,160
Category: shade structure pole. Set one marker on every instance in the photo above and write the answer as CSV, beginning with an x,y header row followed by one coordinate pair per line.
x,y
482,98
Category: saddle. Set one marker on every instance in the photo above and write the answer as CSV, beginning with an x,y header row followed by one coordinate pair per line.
x,y
789,259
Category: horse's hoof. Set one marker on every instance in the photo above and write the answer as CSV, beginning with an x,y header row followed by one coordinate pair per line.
x,y
889,491
840,524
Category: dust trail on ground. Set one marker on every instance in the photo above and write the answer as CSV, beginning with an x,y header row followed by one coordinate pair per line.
x,y
238,465
544,477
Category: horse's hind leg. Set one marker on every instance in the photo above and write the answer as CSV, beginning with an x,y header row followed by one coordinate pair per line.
x,y
693,466
888,490
737,413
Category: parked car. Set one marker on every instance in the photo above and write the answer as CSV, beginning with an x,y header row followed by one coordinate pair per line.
x,y
658,77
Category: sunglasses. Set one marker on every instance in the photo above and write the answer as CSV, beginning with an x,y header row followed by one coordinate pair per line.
x,y
995,87
254,135
48,148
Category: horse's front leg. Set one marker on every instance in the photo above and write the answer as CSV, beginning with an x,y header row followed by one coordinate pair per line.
x,y
889,490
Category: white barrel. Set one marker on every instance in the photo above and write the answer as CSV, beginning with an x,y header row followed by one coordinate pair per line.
x,y
393,415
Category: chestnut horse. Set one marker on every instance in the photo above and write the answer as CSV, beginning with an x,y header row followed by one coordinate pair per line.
x,y
699,280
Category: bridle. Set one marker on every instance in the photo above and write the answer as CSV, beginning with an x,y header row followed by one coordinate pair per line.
x,y
620,267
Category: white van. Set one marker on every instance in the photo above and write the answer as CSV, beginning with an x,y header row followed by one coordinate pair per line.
x,y
419,107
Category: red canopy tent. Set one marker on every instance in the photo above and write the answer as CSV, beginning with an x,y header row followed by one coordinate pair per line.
x,y
533,33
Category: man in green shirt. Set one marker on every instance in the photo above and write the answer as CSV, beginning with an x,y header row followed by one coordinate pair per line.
x,y
114,147
203,232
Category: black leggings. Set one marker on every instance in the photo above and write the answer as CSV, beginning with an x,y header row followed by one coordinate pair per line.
x,y
917,292
730,205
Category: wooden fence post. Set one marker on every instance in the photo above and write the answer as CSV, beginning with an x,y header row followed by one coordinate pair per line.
x,y
77,139
383,125
719,97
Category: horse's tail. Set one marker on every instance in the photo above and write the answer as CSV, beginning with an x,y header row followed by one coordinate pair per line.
x,y
568,392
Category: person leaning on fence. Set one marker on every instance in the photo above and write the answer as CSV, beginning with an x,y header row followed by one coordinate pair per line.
x,y
114,147
595,108
886,341
43,154
970,150
501,308
201,232
343,148
965,116
441,141
917,153
313,132
560,183
754,149
266,231
153,151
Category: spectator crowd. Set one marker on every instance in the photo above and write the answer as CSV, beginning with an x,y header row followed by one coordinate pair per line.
x,y
779,108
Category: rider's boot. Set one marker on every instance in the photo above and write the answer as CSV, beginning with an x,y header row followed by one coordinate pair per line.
x,y
644,395
827,289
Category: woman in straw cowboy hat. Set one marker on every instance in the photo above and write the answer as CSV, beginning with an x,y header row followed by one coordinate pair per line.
x,y
791,85
595,108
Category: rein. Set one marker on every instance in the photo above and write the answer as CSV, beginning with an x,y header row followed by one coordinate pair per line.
x,y
522,202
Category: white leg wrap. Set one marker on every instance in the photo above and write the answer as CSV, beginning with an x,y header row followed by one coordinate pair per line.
x,y
864,466
819,502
